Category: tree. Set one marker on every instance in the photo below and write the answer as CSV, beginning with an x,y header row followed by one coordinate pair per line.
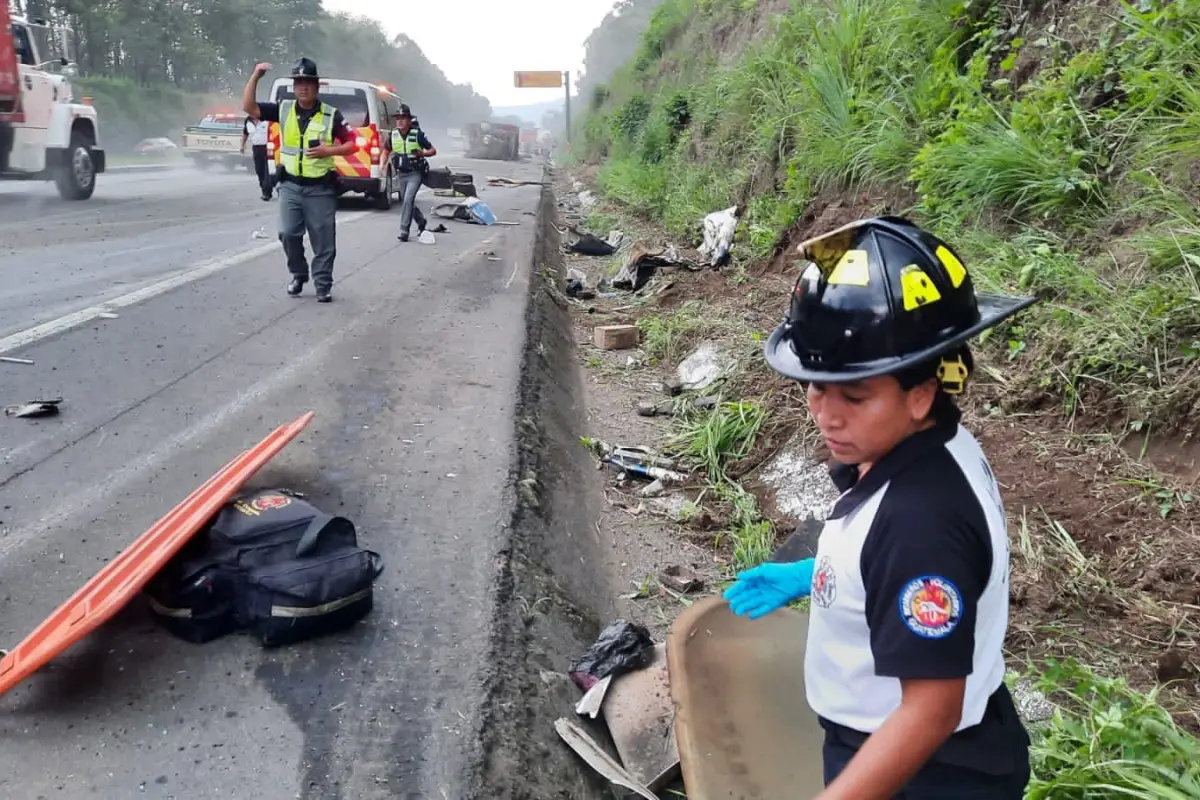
x,y
614,43
210,46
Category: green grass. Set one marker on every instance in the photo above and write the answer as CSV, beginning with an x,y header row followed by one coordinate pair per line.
x,y
665,337
1106,740
1024,177
713,441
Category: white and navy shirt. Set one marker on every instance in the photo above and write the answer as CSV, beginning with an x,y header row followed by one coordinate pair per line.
x,y
258,131
911,582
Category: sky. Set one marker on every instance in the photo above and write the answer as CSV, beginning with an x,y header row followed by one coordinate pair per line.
x,y
482,42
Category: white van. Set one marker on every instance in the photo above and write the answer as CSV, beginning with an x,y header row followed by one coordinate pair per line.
x,y
369,108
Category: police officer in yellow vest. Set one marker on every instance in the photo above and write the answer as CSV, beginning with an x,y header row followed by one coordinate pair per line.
x,y
312,134
410,147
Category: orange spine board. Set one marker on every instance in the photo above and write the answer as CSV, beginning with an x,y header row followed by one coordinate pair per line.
x,y
127,574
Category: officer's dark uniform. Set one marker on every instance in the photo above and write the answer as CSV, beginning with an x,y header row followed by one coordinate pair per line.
x,y
910,579
307,187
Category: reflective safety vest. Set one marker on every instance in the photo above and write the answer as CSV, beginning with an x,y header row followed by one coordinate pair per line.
x,y
406,145
293,145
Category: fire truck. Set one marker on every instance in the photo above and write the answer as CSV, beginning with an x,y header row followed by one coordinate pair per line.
x,y
44,133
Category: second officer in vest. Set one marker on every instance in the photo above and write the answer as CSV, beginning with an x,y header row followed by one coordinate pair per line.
x,y
312,134
410,147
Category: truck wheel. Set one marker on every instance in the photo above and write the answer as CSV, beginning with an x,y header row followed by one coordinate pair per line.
x,y
76,180
383,200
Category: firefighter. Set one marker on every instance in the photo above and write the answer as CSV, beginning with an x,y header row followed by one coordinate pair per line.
x,y
908,591
312,133
410,148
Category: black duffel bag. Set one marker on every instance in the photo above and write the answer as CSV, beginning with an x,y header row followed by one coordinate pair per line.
x,y
271,563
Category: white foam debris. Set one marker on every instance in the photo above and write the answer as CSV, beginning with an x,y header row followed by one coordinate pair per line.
x,y
802,485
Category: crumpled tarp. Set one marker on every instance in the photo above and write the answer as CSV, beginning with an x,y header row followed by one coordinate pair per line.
x,y
643,261
472,209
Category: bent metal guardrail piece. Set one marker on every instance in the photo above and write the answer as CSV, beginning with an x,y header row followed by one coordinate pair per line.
x,y
128,573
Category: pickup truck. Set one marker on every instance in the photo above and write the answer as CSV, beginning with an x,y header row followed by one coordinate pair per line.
x,y
217,139
44,133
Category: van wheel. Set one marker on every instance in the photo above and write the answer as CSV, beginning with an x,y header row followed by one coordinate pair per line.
x,y
383,199
76,179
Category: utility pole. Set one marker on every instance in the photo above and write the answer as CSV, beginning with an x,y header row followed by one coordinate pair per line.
x,y
567,84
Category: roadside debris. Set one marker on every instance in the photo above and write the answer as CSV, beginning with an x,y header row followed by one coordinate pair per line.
x,y
638,461
443,179
34,408
624,677
801,483
509,182
640,716
587,749
261,233
643,261
11,360
622,647
588,244
719,229
705,366
616,337
472,210
427,237
681,579
650,408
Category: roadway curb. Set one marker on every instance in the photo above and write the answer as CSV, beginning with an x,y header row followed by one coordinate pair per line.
x,y
554,590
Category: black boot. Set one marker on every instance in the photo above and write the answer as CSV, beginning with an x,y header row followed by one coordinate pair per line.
x,y
295,287
323,296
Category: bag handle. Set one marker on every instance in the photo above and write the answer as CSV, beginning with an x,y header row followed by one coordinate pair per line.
x,y
376,564
316,526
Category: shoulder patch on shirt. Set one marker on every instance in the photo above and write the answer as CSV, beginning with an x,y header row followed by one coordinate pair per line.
x,y
824,584
931,606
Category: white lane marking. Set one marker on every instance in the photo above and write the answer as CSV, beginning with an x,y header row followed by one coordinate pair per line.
x,y
511,278
53,327
86,501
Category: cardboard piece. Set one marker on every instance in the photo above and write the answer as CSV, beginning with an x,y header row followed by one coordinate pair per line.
x,y
743,726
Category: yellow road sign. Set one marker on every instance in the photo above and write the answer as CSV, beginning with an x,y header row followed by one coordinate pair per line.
x,y
538,80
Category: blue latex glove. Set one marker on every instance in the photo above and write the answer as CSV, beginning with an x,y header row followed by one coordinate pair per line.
x,y
761,590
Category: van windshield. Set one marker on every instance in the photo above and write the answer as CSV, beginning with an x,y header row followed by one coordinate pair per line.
x,y
351,102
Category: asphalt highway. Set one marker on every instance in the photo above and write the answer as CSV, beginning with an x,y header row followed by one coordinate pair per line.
x,y
161,320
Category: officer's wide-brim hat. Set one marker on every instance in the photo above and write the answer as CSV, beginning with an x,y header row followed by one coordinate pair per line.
x,y
867,312
305,69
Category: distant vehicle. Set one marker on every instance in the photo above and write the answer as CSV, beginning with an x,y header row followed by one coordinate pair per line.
x,y
217,139
496,141
369,108
44,134
529,138
156,146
